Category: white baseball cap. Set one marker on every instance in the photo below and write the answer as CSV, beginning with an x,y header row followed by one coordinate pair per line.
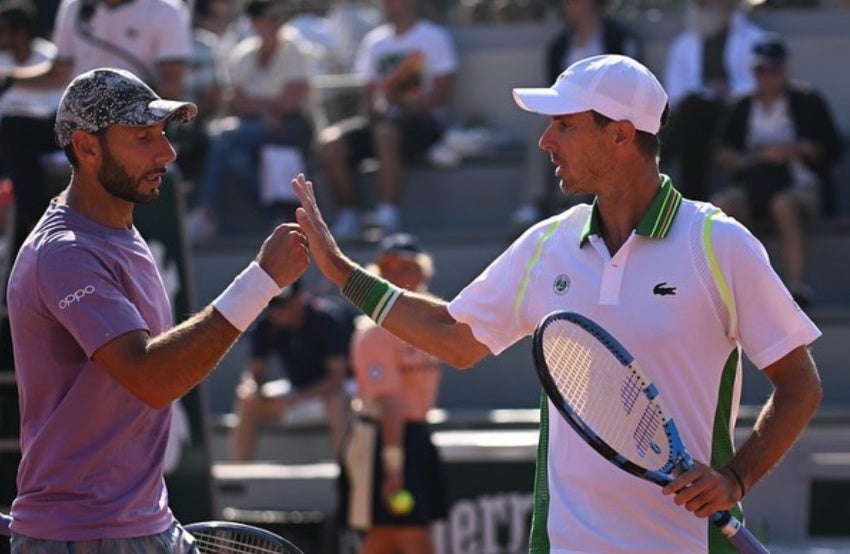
x,y
617,87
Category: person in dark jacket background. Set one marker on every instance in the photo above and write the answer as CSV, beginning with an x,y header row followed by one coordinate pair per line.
x,y
777,147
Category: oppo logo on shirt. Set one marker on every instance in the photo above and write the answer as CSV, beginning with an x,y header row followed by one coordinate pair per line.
x,y
76,296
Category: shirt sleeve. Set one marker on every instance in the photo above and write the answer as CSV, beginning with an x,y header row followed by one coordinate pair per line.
x,y
86,298
64,35
174,40
442,58
364,62
770,323
491,304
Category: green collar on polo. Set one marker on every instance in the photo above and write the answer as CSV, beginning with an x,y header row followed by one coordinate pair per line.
x,y
657,221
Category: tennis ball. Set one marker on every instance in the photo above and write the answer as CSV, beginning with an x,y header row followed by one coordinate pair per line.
x,y
401,503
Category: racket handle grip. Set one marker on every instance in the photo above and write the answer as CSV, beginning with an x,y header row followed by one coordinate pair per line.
x,y
740,537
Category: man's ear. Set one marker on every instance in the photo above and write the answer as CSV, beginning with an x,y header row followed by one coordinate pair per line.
x,y
624,132
86,145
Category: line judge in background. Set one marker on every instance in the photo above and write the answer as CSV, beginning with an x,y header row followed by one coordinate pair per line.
x,y
605,113
98,360
390,447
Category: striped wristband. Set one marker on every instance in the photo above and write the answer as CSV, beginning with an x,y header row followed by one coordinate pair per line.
x,y
373,295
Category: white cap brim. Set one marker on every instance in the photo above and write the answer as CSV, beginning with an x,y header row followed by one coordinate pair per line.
x,y
546,101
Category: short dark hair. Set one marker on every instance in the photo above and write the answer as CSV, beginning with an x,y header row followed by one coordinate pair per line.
x,y
20,15
648,144
256,8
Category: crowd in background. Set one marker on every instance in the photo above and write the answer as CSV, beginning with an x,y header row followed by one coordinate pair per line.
x,y
255,64
743,133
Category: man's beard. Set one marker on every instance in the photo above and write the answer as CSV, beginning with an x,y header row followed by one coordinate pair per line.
x,y
117,182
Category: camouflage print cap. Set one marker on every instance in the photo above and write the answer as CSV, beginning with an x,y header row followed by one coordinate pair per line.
x,y
96,99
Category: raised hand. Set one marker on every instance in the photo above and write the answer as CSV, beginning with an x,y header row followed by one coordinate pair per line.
x,y
325,252
284,254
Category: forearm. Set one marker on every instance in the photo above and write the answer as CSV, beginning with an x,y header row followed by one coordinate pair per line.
x,y
45,75
161,369
437,97
780,423
192,349
392,438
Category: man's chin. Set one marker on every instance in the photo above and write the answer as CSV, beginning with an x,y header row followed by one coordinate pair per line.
x,y
148,198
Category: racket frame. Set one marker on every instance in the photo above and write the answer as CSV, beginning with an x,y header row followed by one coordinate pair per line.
x,y
214,526
679,461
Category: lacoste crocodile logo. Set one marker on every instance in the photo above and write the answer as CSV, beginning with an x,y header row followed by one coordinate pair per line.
x,y
661,289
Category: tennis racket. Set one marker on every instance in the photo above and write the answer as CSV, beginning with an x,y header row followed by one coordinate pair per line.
x,y
603,394
225,537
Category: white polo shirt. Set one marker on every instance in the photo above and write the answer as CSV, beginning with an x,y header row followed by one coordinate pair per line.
x,y
152,31
659,296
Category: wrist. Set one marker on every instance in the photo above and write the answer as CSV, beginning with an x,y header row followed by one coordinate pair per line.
x,y
373,295
393,458
736,476
249,294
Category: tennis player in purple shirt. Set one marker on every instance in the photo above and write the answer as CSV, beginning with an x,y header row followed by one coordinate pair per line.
x,y
97,359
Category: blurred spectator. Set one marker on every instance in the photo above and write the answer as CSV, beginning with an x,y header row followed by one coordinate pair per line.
x,y
707,67
587,31
26,121
352,20
215,16
46,17
778,145
389,446
409,64
269,75
203,87
317,32
310,338
151,38
516,11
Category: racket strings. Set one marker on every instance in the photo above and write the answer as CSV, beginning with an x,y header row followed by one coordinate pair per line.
x,y
228,542
606,395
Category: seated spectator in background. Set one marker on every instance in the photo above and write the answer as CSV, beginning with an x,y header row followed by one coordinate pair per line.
x,y
707,67
777,146
317,32
409,63
389,446
517,11
269,76
203,87
352,20
26,121
214,16
587,31
311,340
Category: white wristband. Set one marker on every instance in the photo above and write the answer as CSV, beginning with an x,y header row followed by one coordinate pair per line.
x,y
246,296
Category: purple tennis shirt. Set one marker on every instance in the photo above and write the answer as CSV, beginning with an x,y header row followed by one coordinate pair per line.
x,y
92,452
